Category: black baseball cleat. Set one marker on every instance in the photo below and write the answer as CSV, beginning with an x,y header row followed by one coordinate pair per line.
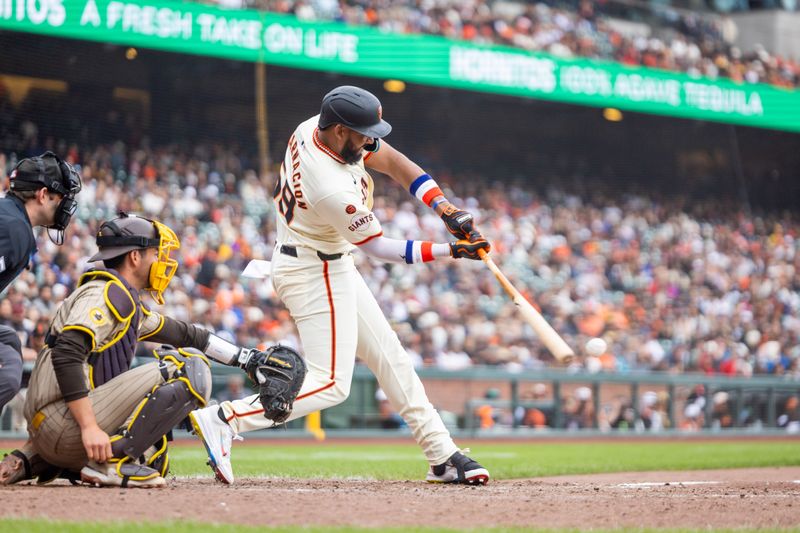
x,y
458,469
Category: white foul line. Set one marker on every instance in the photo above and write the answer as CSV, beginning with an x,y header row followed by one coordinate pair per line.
x,y
663,483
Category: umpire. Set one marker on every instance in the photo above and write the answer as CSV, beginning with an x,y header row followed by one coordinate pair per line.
x,y
42,193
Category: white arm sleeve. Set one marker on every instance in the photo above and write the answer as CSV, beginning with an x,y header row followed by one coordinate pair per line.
x,y
222,351
399,251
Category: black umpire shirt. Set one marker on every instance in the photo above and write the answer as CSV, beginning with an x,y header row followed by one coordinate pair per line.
x,y
17,241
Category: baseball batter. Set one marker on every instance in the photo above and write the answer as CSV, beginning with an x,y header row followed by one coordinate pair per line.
x,y
324,200
87,410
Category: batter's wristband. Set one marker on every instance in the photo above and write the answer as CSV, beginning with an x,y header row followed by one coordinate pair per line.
x,y
425,189
425,251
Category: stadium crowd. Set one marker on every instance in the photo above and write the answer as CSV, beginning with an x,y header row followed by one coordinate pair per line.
x,y
672,40
671,286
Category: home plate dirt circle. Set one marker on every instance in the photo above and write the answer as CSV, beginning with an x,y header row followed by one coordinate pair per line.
x,y
746,498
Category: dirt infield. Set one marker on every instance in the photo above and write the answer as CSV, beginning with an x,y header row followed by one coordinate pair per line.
x,y
767,497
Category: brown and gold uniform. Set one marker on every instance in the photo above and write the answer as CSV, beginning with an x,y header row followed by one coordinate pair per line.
x,y
89,352
90,347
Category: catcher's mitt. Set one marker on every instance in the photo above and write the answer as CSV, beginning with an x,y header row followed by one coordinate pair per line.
x,y
279,372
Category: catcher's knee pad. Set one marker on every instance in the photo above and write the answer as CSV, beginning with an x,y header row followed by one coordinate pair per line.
x,y
190,366
167,404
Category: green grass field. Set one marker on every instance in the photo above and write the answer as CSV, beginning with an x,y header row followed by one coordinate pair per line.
x,y
377,460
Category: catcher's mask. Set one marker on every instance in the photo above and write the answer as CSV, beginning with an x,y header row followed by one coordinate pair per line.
x,y
130,232
49,170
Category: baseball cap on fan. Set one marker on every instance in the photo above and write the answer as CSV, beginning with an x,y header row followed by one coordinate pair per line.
x,y
356,108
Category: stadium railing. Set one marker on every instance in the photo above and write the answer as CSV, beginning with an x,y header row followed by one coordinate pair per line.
x,y
754,401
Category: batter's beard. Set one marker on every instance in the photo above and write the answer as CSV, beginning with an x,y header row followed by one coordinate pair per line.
x,y
351,154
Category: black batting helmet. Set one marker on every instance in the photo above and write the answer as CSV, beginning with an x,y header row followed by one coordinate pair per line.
x,y
355,108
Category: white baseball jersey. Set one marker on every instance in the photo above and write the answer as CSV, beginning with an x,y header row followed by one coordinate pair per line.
x,y
323,203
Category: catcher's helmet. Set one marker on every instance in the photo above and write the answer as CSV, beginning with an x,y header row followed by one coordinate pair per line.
x,y
355,108
130,232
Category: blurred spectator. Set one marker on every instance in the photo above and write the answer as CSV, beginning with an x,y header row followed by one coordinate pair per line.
x,y
630,33
625,416
721,415
536,417
234,389
671,285
693,417
652,416
789,417
487,414
389,418
35,341
579,409
694,409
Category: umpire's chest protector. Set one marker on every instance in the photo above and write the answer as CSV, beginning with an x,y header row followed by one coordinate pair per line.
x,y
114,357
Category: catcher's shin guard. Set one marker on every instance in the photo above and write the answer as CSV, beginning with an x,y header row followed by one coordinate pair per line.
x,y
166,406
157,456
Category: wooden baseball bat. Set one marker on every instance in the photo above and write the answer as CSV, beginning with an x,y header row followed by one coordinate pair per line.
x,y
552,340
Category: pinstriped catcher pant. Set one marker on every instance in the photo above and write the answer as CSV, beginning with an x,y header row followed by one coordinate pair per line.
x,y
56,435
338,319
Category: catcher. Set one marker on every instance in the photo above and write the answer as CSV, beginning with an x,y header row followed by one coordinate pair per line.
x,y
90,416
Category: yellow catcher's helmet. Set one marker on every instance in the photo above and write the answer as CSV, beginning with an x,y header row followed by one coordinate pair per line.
x,y
130,232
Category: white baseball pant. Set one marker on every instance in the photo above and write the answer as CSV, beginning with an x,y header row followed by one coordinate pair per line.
x,y
338,319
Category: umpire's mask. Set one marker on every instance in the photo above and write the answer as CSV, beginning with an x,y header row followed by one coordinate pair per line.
x,y
130,232
49,170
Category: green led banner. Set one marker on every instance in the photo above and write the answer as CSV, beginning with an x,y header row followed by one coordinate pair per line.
x,y
283,40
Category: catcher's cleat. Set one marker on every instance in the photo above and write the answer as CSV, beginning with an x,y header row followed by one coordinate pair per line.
x,y
13,469
121,474
458,469
217,436
16,467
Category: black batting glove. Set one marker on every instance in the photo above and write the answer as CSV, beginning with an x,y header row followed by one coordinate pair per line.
x,y
468,248
458,222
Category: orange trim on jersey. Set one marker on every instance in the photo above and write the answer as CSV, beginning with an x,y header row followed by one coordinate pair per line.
x,y
333,336
239,415
259,411
325,148
333,318
368,239
333,351
313,392
368,155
